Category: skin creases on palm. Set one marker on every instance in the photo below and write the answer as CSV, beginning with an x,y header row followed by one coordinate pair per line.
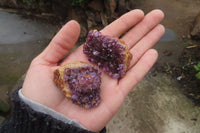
x,y
142,32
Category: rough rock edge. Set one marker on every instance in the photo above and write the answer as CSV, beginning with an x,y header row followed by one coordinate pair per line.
x,y
59,78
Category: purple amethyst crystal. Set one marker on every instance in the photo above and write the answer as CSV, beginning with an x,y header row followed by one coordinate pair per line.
x,y
84,83
106,52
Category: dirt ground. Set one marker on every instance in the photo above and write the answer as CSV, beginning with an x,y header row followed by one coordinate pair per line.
x,y
179,54
179,14
160,104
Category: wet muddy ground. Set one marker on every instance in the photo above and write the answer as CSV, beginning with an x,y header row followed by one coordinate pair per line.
x,y
157,104
178,49
21,40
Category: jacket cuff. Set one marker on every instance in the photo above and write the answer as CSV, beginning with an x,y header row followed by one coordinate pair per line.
x,y
26,120
46,110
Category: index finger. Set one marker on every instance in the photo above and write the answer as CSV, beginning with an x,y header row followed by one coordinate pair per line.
x,y
124,23
115,29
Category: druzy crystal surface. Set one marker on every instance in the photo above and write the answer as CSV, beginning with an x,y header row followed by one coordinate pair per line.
x,y
84,83
106,52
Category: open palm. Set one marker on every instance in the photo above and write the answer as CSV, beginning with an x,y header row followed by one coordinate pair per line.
x,y
141,33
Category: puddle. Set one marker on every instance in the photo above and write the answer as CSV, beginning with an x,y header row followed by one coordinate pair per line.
x,y
168,36
169,48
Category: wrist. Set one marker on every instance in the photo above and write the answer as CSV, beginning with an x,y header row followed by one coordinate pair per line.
x,y
46,110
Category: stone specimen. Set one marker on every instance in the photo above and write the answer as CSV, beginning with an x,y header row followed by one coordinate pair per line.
x,y
80,82
109,54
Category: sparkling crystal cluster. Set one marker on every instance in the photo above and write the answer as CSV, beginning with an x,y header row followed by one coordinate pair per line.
x,y
106,52
80,82
84,83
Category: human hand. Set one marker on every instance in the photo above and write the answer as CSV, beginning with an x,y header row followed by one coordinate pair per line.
x,y
143,33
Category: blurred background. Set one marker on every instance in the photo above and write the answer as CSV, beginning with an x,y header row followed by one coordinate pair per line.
x,y
168,98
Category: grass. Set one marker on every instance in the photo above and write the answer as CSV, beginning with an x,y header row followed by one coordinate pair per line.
x,y
197,68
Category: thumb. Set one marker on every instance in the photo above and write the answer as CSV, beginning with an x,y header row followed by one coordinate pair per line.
x,y
61,44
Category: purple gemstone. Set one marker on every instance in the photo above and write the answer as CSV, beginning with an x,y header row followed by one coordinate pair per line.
x,y
84,83
106,52
96,53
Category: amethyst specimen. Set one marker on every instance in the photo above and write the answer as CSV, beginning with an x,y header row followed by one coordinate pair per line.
x,y
80,83
110,54
84,83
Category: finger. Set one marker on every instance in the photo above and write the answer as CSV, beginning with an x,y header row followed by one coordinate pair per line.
x,y
136,73
146,43
62,43
141,29
125,22
116,28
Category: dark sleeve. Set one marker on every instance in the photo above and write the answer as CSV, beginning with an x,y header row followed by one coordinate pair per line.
x,y
26,120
